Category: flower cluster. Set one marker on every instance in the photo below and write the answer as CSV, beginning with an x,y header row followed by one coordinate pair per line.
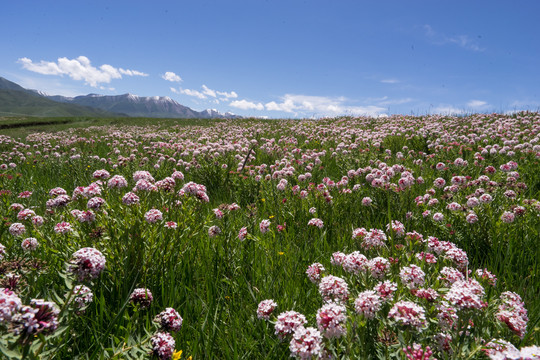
x,y
142,297
87,263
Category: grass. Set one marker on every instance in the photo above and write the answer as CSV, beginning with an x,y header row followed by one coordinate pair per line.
x,y
216,283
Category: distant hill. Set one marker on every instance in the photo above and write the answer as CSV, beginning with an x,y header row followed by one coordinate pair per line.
x,y
142,106
16,99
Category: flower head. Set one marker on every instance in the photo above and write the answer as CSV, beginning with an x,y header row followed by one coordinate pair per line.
x,y
266,308
87,263
169,320
142,297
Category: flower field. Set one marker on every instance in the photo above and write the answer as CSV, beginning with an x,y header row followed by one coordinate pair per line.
x,y
351,238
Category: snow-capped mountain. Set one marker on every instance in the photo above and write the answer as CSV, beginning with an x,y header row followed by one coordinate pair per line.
x,y
113,105
143,106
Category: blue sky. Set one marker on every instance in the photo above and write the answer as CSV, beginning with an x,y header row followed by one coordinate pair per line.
x,y
282,58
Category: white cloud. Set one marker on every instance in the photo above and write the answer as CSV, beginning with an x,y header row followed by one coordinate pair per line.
x,y
227,95
321,106
78,69
208,92
463,41
191,92
477,104
448,110
387,101
389,81
170,76
132,72
246,105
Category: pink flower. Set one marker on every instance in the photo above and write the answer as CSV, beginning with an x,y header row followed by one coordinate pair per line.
x,y
17,229
169,320
359,233
333,288
314,272
316,222
378,267
142,297
438,217
101,174
447,315
428,294
117,181
163,345
512,312
242,234
153,216
427,257
264,226
508,217
416,352
412,276
82,295
40,317
368,303
458,257
471,218
130,199
95,203
37,220
337,258
306,343
287,322
355,263
408,313
9,303
26,214
87,263
465,294
28,244
218,213
143,175
449,275
331,320
386,290
63,228
214,231
266,308
374,238
484,274
397,227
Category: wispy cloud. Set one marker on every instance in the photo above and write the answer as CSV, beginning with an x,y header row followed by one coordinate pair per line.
x,y
170,76
389,81
78,69
463,41
189,92
246,105
448,110
386,101
477,104
207,93
321,106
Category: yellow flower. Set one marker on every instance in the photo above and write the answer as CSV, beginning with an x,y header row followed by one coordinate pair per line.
x,y
263,200
281,253
177,355
271,217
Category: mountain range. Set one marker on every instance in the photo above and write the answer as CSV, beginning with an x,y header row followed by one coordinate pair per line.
x,y
16,100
